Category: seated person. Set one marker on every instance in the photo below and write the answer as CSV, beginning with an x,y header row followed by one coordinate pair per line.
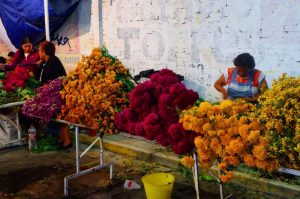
x,y
50,69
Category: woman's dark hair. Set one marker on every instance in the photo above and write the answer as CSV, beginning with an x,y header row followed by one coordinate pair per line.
x,y
48,47
2,60
244,60
21,56
26,40
11,54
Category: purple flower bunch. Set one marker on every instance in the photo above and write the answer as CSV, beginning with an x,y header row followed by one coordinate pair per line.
x,y
45,104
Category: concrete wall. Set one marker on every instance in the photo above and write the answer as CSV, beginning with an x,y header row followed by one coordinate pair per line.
x,y
197,39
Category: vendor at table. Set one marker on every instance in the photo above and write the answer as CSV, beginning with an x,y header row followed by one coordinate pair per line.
x,y
51,67
241,81
26,57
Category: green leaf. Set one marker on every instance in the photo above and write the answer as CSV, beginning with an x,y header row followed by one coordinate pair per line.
x,y
207,178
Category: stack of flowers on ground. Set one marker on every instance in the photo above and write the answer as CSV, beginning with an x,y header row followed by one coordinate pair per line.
x,y
153,111
95,91
226,135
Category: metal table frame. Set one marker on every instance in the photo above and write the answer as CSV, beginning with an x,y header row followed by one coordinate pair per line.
x,y
16,124
80,172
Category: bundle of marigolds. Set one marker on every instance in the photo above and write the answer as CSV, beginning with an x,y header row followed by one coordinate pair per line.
x,y
280,118
224,134
153,111
95,91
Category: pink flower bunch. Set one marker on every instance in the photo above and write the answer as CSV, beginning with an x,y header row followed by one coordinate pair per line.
x,y
153,111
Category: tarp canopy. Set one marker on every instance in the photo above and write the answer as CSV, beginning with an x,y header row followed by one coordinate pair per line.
x,y
26,18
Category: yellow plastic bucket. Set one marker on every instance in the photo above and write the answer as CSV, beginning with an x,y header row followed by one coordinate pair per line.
x,y
158,185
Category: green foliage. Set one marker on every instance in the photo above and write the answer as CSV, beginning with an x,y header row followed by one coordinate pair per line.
x,y
44,144
2,75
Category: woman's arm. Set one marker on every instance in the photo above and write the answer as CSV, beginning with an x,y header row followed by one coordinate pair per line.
x,y
219,86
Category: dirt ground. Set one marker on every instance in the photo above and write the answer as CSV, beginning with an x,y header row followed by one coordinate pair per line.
x,y
25,175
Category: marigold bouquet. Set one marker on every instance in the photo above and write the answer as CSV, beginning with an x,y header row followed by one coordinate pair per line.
x,y
153,111
95,91
224,134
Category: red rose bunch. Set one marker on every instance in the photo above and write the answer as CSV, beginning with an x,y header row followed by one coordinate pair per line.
x,y
153,111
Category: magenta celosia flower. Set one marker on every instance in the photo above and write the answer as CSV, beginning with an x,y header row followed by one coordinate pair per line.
x,y
162,139
153,111
139,129
175,131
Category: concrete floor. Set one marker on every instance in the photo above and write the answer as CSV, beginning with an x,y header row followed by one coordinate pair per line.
x,y
29,175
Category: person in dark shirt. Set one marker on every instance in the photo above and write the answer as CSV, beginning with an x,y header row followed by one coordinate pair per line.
x,y
51,67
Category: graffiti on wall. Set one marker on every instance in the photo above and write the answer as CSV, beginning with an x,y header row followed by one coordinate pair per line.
x,y
199,39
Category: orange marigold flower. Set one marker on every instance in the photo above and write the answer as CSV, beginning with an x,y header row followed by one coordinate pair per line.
x,y
254,136
207,127
259,152
242,121
234,147
244,131
231,160
198,142
225,139
227,176
221,132
249,160
188,161
214,143
254,125
222,166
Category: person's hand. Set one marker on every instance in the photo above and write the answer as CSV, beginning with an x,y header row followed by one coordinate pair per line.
x,y
31,74
225,94
2,67
39,62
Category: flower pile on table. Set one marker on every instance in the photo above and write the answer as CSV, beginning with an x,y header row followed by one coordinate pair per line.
x,y
95,91
279,115
226,134
16,85
45,104
153,111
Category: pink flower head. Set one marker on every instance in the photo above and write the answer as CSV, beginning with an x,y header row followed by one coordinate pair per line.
x,y
139,129
131,128
162,139
181,148
175,132
152,118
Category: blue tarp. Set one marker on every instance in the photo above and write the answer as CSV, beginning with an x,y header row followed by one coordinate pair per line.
x,y
26,18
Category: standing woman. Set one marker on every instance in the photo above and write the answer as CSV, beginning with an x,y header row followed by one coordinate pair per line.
x,y
242,81
26,57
